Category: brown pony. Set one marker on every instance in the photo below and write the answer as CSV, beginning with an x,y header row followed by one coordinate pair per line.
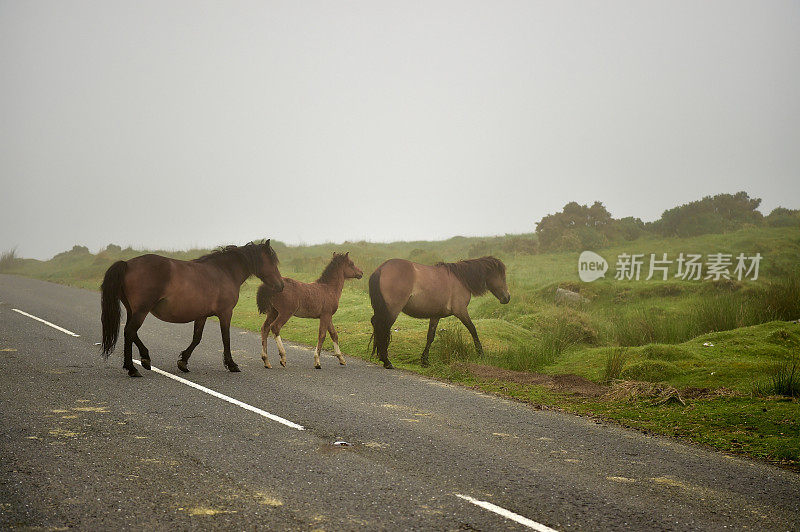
x,y
180,291
430,292
319,299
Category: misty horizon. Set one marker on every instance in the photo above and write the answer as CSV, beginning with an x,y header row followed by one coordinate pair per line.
x,y
192,124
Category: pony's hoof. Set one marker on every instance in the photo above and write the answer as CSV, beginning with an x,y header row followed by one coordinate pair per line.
x,y
424,363
233,368
342,362
183,366
146,363
268,366
283,363
318,366
388,365
133,372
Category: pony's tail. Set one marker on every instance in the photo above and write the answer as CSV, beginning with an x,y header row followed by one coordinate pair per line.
x,y
111,293
381,327
263,297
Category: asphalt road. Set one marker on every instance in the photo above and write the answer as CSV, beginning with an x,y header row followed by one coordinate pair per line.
x,y
84,445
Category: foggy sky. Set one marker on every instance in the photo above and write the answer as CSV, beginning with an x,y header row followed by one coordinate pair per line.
x,y
187,124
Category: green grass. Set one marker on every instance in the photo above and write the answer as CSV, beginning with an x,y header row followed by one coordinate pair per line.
x,y
650,331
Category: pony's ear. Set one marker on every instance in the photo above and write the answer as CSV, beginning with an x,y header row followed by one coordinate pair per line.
x,y
267,242
347,254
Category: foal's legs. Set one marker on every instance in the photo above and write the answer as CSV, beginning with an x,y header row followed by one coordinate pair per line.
x,y
279,322
471,328
225,329
431,334
271,315
335,338
134,321
183,362
323,330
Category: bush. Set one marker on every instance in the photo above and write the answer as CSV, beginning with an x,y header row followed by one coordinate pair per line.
x,y
712,214
784,379
615,362
643,326
451,346
781,217
8,258
780,300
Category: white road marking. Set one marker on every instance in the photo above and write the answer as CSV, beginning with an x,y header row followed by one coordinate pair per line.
x,y
507,514
224,397
54,326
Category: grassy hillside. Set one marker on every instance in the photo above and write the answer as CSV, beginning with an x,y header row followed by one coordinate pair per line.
x,y
734,341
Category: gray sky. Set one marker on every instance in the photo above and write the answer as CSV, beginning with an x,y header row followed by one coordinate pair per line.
x,y
185,124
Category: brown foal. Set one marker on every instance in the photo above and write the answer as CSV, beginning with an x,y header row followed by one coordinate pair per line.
x,y
430,292
319,299
179,291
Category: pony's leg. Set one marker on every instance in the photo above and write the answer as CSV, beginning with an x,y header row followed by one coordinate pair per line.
x,y
431,335
225,329
275,327
335,338
134,321
382,330
471,328
183,361
323,330
271,315
144,354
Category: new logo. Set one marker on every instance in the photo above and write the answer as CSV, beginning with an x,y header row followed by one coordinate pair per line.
x,y
591,266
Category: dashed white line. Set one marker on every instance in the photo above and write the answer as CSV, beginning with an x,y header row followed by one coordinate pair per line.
x,y
508,514
46,322
224,397
483,504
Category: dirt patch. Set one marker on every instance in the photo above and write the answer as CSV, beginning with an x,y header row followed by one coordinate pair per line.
x,y
569,383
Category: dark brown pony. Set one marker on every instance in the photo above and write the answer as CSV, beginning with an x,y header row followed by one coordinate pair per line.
x,y
430,292
180,291
319,299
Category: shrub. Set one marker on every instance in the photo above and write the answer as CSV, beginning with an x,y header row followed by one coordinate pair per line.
x,y
8,258
780,300
615,361
784,379
642,326
451,346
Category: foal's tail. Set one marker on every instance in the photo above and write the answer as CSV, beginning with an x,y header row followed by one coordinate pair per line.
x,y
381,326
111,293
263,297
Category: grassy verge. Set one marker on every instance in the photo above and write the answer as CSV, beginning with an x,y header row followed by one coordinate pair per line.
x,y
727,349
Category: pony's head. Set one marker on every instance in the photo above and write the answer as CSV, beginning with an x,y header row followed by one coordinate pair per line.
x,y
480,275
268,268
496,282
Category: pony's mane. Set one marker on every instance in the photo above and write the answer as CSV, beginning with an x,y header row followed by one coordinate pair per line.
x,y
328,274
473,272
247,255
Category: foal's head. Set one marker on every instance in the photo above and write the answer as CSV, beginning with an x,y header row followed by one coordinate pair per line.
x,y
351,271
340,263
268,267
